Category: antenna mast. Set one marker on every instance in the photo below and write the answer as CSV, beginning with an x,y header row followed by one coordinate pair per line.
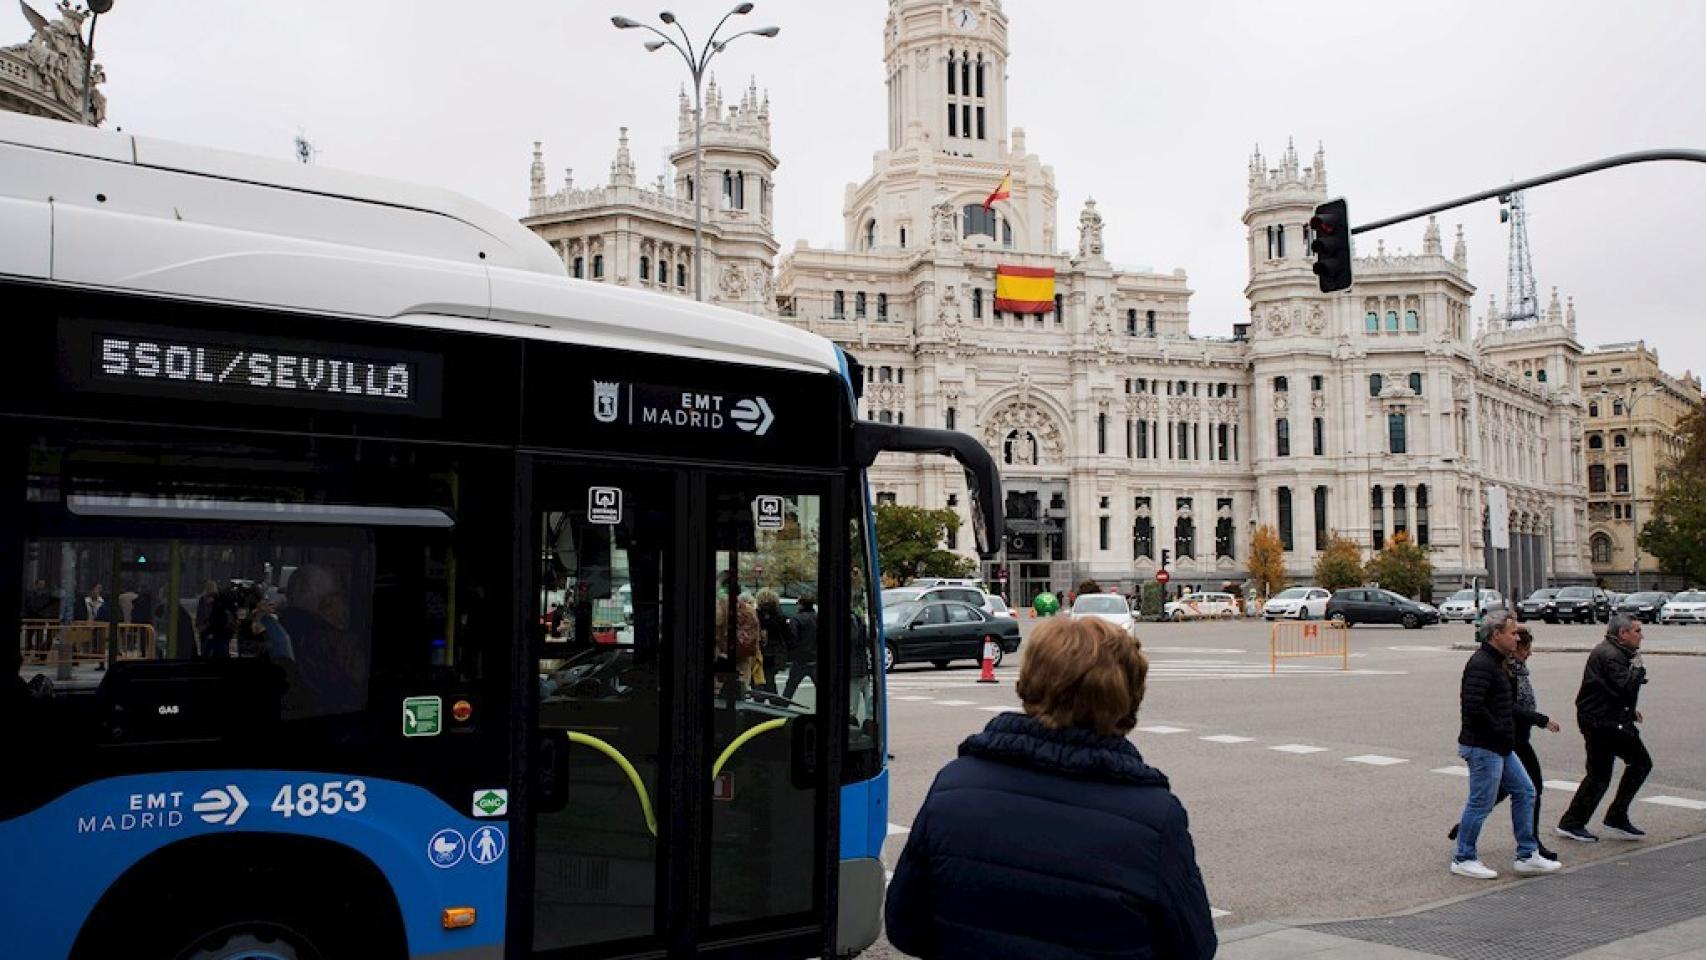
x,y
1522,301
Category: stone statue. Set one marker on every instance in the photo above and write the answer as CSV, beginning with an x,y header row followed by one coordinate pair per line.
x,y
942,220
1089,232
56,54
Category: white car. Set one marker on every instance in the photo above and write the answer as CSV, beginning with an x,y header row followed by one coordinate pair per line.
x,y
1204,604
1461,605
1299,603
1110,607
1689,606
999,607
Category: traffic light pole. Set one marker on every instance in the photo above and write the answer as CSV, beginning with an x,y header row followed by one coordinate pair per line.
x,y
1622,159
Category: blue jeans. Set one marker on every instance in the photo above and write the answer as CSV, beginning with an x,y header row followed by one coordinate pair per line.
x,y
1488,772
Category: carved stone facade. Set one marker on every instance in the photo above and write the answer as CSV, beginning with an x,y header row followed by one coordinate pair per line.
x,y
43,76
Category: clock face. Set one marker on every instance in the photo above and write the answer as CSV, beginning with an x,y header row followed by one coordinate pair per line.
x,y
965,19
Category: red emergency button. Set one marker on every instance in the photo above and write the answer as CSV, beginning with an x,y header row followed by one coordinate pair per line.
x,y
461,711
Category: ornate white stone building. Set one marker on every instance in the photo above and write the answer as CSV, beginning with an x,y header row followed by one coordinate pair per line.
x,y
1379,410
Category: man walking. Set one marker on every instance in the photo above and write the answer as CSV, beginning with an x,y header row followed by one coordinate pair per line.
x,y
1606,712
1486,742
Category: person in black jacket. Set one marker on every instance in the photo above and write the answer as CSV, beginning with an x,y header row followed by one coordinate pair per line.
x,y
1607,713
802,653
1526,716
1104,864
1486,742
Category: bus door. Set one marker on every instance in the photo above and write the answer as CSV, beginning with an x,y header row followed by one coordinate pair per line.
x,y
677,786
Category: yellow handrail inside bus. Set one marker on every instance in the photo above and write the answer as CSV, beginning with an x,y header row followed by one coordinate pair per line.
x,y
738,742
616,757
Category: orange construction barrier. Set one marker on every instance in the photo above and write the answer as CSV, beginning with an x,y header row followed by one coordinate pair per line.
x,y
1324,638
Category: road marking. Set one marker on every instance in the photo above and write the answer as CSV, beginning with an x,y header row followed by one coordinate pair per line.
x,y
915,698
1158,728
1202,650
1298,748
1417,648
1216,913
1682,802
1569,785
1226,738
955,703
1453,771
895,828
1376,760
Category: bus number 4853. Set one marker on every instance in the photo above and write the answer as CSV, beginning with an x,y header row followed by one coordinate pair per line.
x,y
313,799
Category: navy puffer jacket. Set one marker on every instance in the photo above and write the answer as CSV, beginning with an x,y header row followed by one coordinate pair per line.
x,y
1042,844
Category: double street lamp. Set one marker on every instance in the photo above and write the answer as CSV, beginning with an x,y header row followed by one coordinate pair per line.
x,y
96,8
1629,401
697,59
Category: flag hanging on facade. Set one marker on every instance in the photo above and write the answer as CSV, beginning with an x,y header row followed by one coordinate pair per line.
x,y
1003,190
1024,289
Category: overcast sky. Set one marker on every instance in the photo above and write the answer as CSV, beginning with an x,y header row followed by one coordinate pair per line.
x,y
1151,108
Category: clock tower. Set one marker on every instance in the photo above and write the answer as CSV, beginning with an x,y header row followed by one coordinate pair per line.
x,y
947,76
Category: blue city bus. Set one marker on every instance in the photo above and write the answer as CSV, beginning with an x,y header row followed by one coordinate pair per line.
x,y
383,592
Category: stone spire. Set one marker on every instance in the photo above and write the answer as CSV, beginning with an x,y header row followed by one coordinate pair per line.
x,y
536,173
568,179
1570,316
1493,319
1289,163
713,101
1554,310
622,168
1320,167
1090,233
1258,166
1460,250
683,115
1430,240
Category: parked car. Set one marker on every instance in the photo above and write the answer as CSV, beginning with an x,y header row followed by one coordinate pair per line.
x,y
1644,606
1538,605
945,582
1462,605
999,608
1106,606
1197,605
960,594
1298,603
1689,606
1373,605
1582,605
943,631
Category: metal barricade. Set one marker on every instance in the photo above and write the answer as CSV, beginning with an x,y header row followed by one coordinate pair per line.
x,y
1326,638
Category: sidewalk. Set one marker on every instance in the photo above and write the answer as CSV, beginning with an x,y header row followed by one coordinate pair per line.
x,y
1649,905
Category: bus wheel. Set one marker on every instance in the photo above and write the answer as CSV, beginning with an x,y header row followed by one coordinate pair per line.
x,y
252,941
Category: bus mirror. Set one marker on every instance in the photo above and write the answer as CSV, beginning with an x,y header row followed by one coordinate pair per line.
x,y
983,481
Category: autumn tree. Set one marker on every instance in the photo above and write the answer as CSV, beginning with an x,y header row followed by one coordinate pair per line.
x,y
1340,565
910,543
1402,567
1267,561
1676,532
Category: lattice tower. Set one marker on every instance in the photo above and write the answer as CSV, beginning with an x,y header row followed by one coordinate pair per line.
x,y
1522,301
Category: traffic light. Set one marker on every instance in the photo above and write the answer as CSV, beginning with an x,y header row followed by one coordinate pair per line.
x,y
1166,555
1331,226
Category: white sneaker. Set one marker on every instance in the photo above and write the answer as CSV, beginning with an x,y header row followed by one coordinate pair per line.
x,y
1474,868
1535,863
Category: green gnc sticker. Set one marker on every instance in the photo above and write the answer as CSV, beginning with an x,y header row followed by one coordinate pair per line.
x,y
491,803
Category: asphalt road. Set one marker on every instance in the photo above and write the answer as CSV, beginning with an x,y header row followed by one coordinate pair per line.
x,y
1349,819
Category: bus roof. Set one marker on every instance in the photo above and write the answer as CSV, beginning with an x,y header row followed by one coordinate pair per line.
x,y
113,211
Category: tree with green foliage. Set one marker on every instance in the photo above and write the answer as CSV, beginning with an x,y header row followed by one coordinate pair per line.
x,y
1267,561
1340,565
1675,534
910,543
1402,567
1153,600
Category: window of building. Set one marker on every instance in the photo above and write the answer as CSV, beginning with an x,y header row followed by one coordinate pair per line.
x,y
1183,450
1102,532
663,272
1316,383
977,303
1541,376
1059,309
1006,233
1619,441
1149,323
953,111
1391,321
1220,442
1223,528
1593,409
976,219
681,275
859,304
1596,478
1400,510
1422,514
1371,322
1282,437
1142,530
1601,548
886,416
903,238
1131,323
870,235
645,269
1621,475
1376,383
1101,433
1377,517
1416,384
886,496
1279,241
598,267
1284,497
1412,323
1596,442
580,267
1280,385
1320,518
1396,433
1185,533
1617,407
838,305
1320,430
1143,439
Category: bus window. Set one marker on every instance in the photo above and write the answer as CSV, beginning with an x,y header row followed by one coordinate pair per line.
x,y
768,659
864,757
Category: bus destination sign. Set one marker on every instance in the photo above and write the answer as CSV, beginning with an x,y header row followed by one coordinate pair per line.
x,y
191,363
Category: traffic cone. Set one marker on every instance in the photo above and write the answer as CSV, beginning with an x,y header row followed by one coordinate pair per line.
x,y
988,674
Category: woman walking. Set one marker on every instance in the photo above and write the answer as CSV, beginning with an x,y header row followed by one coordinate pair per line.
x,y
1054,808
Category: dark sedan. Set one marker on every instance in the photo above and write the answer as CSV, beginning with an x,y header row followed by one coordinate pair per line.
x,y
1644,606
1539,605
1371,605
1582,605
943,632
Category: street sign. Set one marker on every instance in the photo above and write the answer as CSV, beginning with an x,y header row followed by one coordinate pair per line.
x,y
1162,576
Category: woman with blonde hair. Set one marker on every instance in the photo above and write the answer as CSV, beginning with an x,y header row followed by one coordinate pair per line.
x,y
1055,809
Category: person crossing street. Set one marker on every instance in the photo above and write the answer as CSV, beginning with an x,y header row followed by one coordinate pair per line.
x,y
1607,712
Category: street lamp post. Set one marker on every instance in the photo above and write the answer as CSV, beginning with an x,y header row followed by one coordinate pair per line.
x,y
697,62
1634,483
96,8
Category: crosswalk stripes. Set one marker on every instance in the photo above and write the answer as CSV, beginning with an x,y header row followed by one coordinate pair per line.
x,y
1299,748
1376,760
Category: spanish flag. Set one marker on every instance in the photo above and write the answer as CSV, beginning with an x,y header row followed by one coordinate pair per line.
x,y
1024,289
1003,190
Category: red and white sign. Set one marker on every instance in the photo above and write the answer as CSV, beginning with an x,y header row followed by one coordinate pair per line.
x,y
1162,576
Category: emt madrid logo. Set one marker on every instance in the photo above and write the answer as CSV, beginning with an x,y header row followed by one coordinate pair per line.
x,y
653,406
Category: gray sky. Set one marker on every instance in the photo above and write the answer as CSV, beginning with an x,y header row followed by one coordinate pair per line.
x,y
1152,108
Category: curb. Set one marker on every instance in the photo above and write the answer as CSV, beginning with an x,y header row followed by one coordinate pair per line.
x,y
1644,651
